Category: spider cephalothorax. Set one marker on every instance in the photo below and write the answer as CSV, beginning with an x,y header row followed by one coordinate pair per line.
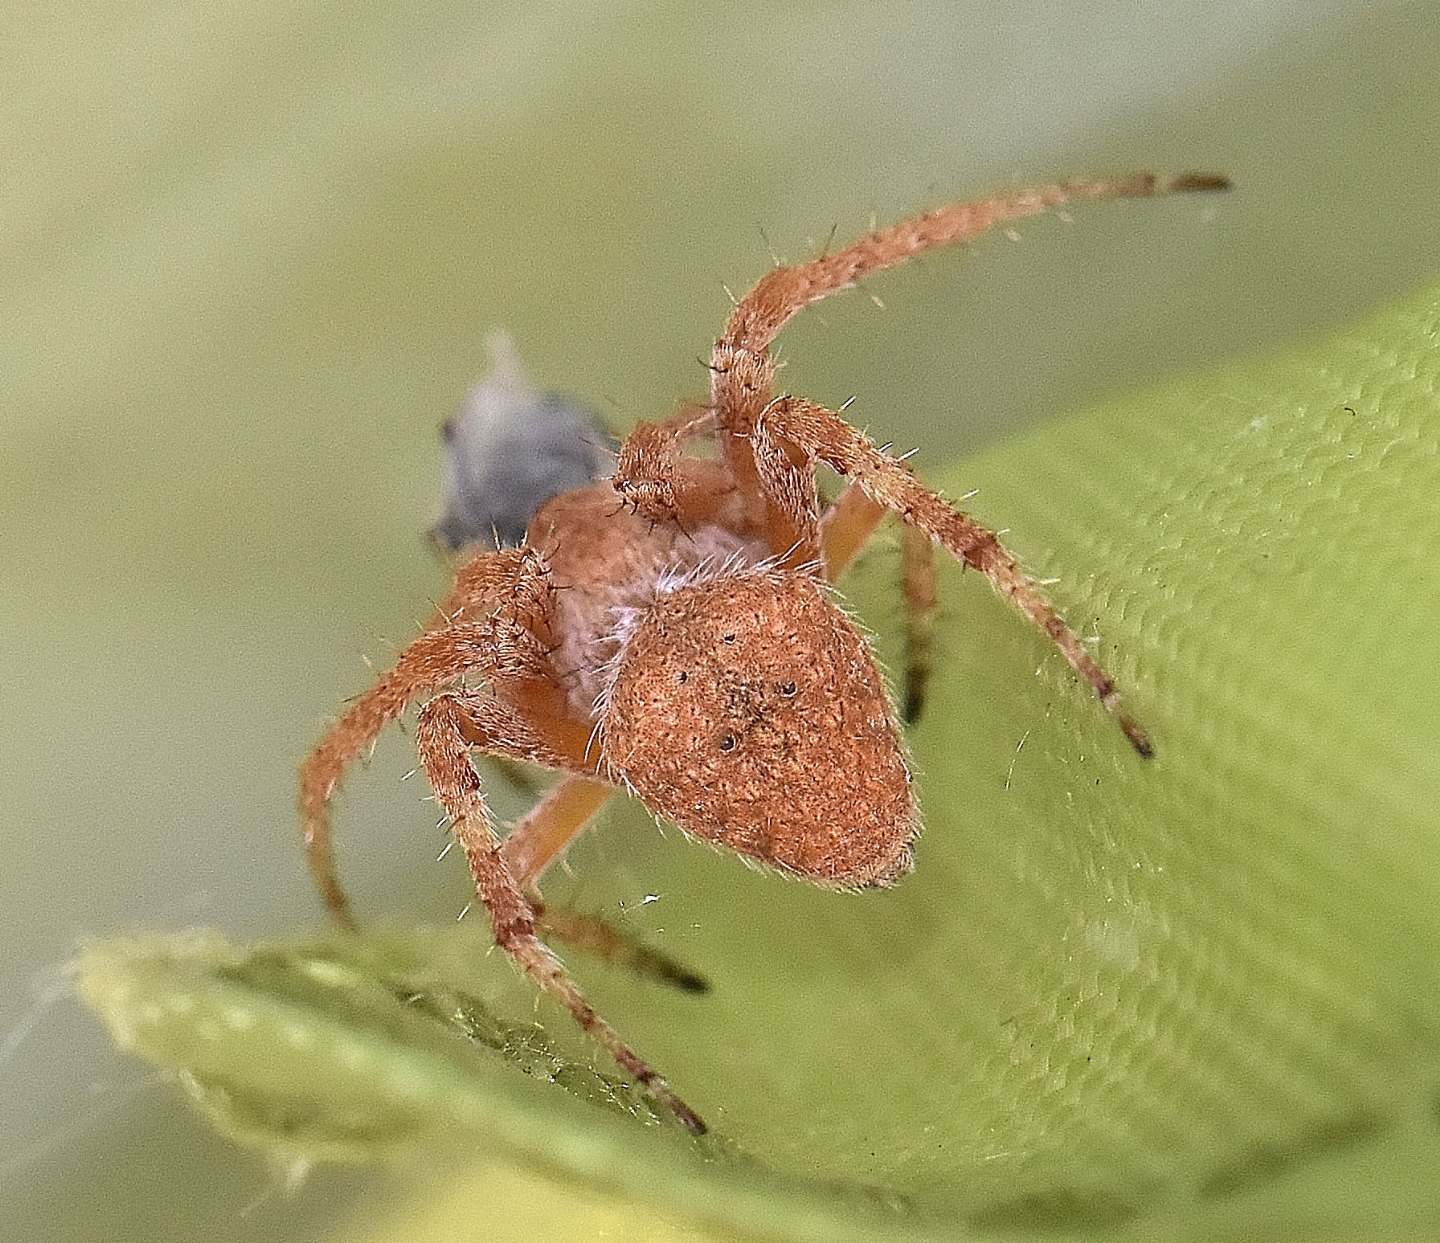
x,y
683,644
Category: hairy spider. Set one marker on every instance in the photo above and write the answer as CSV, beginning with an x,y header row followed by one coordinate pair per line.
x,y
684,644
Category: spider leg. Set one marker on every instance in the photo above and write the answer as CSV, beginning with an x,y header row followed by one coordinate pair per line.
x,y
783,291
846,527
449,726
741,371
646,475
824,434
506,647
539,840
917,561
514,576
601,939
564,812
786,479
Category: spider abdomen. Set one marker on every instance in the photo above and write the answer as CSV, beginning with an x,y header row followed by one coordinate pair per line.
x,y
747,709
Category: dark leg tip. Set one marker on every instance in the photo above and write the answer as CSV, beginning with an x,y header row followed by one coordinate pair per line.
x,y
689,982
1139,739
1187,183
662,967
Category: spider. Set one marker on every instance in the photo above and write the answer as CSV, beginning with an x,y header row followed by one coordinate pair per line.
x,y
685,643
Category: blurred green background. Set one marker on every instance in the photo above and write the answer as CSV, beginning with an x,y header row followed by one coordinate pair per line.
x,y
249,259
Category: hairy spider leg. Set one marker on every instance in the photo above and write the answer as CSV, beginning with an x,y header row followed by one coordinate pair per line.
x,y
567,809
538,840
435,659
508,592
601,939
503,647
917,581
742,373
515,577
645,468
650,480
449,727
821,433
792,502
845,528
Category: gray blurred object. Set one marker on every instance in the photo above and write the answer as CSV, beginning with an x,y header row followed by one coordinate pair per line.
x,y
509,450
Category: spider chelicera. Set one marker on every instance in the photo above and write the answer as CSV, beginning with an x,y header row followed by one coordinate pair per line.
x,y
684,643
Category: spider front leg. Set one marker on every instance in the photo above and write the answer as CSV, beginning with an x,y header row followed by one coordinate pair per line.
x,y
646,469
823,434
503,646
742,372
740,366
450,726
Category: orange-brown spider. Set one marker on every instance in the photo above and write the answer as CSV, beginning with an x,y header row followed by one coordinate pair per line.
x,y
684,643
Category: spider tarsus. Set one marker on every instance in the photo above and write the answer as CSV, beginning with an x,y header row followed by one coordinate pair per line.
x,y
671,972
659,1088
1188,183
1139,739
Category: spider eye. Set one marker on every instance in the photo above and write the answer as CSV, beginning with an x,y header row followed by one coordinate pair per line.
x,y
727,743
787,689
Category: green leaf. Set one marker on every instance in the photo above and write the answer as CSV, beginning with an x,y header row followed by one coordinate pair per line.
x,y
1195,996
